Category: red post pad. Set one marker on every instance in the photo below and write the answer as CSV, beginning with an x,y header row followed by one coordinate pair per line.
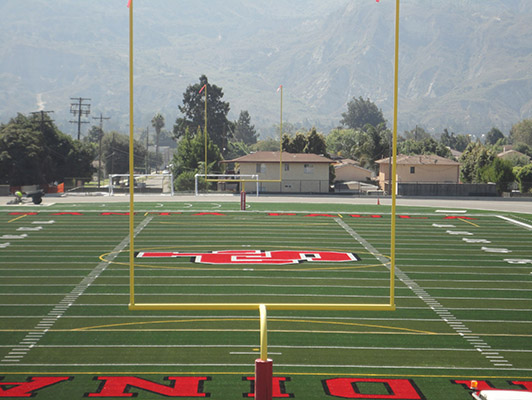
x,y
243,200
263,379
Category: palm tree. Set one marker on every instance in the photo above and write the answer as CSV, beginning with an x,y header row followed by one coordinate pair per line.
x,y
158,123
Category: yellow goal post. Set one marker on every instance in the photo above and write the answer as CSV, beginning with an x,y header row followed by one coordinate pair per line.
x,y
227,178
257,306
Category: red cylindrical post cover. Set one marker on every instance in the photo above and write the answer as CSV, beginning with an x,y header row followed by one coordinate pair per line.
x,y
263,379
242,200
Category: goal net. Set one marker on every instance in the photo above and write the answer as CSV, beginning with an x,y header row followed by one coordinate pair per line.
x,y
226,183
143,184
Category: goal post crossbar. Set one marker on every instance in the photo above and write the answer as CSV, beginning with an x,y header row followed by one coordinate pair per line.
x,y
228,178
255,306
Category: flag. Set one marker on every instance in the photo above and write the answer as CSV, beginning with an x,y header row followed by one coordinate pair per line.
x,y
203,87
279,88
128,3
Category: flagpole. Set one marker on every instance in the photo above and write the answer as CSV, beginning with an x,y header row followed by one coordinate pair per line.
x,y
281,139
205,131
131,165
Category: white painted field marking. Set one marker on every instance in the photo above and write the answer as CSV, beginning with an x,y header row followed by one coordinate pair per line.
x,y
444,226
28,228
465,233
4,245
451,211
513,221
495,250
23,236
331,366
443,312
467,240
44,222
522,261
33,337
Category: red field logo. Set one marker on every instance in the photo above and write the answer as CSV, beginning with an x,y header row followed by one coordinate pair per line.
x,y
277,257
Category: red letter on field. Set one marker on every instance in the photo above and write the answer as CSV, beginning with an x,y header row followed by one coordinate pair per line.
x,y
527,385
119,386
32,384
278,387
346,388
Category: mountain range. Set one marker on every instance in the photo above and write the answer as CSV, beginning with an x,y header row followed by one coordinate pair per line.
x,y
464,65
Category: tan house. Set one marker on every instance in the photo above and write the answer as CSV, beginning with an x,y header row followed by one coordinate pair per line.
x,y
419,169
347,170
298,173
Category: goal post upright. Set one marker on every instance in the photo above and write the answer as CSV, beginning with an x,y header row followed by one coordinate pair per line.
x,y
394,155
131,165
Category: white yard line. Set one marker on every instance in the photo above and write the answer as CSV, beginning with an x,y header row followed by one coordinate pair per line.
x,y
513,221
443,312
34,336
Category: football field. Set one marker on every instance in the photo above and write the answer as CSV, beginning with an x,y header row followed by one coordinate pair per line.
x,y
463,292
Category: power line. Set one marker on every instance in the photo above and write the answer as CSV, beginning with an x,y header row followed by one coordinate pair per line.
x,y
78,109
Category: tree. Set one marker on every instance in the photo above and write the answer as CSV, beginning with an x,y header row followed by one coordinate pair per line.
x,y
417,134
425,146
455,142
158,123
312,142
361,112
522,132
372,143
93,136
36,152
237,149
523,148
493,136
524,177
341,142
266,145
475,157
244,131
22,156
116,153
315,143
219,128
500,172
190,158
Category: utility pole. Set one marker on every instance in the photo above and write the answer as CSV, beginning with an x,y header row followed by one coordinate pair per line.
x,y
100,135
42,114
78,109
147,144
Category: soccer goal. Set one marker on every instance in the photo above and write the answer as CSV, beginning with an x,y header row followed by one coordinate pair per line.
x,y
143,184
227,182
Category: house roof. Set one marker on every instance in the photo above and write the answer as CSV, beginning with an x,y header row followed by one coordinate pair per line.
x,y
273,157
512,153
351,166
424,159
345,161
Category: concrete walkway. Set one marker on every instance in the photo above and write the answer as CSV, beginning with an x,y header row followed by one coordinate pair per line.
x,y
491,204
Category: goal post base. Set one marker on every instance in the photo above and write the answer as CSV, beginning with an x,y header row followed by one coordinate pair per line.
x,y
243,201
263,379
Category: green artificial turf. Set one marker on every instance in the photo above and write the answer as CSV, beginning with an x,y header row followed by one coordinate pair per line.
x,y
463,285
